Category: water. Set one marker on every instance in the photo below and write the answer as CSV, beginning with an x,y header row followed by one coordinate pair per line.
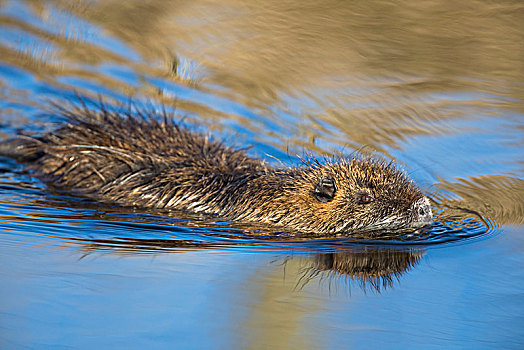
x,y
437,86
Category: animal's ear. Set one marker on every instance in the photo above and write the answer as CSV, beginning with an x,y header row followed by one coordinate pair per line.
x,y
325,189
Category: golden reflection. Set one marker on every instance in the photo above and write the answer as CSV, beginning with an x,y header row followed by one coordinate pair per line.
x,y
493,196
279,315
363,70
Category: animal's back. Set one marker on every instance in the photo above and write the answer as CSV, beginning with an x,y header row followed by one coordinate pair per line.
x,y
127,158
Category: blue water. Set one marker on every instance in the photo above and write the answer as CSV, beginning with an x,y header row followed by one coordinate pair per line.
x,y
438,92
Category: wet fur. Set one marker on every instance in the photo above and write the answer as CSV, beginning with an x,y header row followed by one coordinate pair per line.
x,y
131,158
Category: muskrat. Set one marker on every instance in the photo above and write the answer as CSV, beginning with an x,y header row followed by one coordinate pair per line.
x,y
136,158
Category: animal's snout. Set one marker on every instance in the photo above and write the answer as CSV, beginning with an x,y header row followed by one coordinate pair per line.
x,y
422,210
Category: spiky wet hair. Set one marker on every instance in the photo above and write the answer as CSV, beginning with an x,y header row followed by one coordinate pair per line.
x,y
134,158
335,196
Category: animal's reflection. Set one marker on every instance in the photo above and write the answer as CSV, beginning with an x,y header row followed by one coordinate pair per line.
x,y
372,268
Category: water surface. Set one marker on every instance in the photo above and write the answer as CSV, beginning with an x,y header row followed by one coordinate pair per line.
x,y
436,86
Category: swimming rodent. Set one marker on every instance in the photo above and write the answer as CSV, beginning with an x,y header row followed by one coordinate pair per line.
x,y
138,159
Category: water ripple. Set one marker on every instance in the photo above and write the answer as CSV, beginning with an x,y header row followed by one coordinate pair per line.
x,y
96,226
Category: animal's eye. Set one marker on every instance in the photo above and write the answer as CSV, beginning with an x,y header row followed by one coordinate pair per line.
x,y
366,198
325,189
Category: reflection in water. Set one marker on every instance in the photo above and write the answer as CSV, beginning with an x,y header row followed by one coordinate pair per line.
x,y
494,196
277,319
361,77
376,268
373,267
435,84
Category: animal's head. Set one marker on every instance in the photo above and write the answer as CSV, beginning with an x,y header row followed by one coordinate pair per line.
x,y
356,194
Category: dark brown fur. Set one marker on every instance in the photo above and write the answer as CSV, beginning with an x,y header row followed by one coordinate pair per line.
x,y
133,159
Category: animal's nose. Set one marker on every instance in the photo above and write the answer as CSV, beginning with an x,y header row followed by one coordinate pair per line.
x,y
422,210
